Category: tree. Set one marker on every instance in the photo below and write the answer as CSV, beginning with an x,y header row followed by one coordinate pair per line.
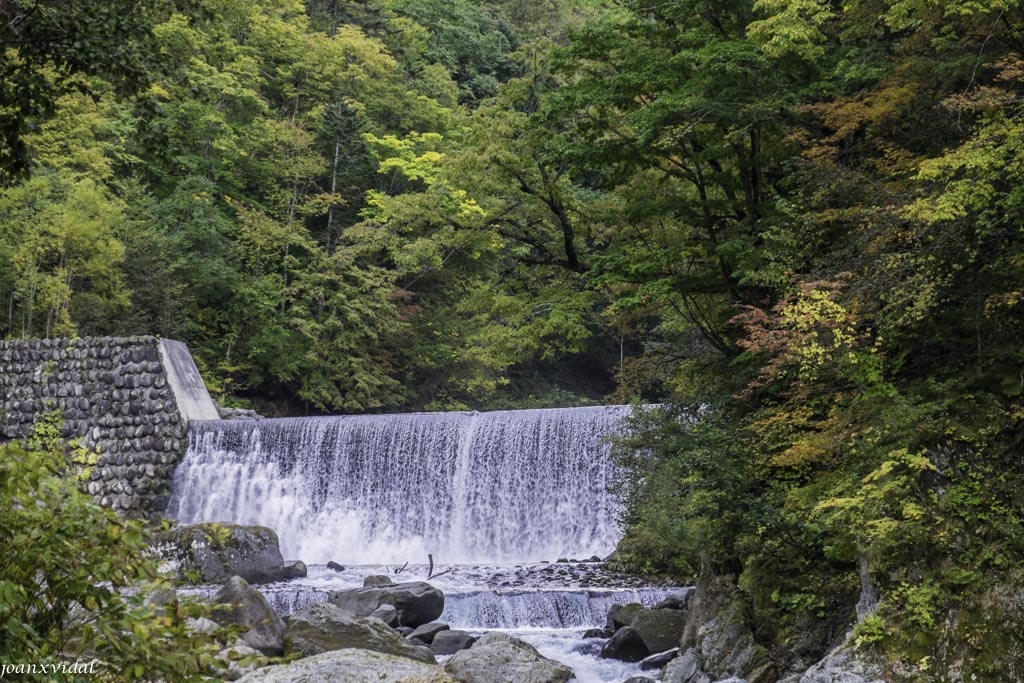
x,y
46,43
467,39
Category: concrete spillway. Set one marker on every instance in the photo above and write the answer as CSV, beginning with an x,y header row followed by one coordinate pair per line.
x,y
509,486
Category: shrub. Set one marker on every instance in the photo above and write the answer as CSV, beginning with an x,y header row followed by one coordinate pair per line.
x,y
73,580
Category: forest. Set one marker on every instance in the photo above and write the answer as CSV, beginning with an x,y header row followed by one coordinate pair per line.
x,y
794,225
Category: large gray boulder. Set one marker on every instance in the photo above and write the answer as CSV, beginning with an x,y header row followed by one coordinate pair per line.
x,y
322,627
622,615
386,613
449,642
214,552
500,658
685,669
727,647
294,569
660,629
717,641
351,666
377,580
417,602
426,632
240,604
625,645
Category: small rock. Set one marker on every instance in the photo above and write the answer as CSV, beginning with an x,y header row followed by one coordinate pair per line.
x,y
659,660
335,566
674,602
598,633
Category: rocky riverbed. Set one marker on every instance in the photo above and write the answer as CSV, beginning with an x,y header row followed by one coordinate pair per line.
x,y
560,621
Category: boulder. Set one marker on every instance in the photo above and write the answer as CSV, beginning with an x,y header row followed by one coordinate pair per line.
x,y
622,615
377,580
639,679
214,552
240,604
335,566
625,645
727,646
660,629
386,613
449,642
500,658
685,669
351,666
295,569
322,627
417,602
426,632
674,601
238,660
718,642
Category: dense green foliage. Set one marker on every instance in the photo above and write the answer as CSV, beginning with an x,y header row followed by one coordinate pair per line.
x,y
800,221
64,571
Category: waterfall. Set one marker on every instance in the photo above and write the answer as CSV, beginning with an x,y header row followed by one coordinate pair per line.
x,y
498,487
553,609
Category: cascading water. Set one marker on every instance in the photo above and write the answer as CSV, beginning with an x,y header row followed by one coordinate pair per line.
x,y
490,495
507,486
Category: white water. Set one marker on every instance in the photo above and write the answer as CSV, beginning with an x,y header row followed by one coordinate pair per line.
x,y
484,597
479,491
508,486
549,610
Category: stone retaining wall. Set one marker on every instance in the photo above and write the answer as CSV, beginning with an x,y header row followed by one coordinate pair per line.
x,y
114,397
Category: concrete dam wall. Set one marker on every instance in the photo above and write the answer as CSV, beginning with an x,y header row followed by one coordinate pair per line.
x,y
127,401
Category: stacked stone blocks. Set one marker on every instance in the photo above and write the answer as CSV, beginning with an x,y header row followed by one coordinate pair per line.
x,y
114,400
